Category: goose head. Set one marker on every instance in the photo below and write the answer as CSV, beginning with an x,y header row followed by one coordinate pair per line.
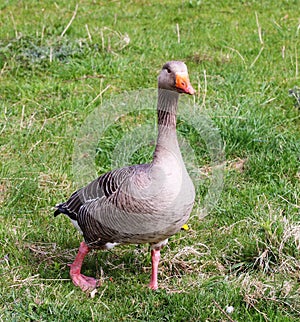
x,y
174,77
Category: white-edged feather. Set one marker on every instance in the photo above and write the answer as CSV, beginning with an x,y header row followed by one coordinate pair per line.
x,y
75,223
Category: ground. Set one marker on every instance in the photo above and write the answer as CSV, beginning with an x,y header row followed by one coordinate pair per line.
x,y
61,61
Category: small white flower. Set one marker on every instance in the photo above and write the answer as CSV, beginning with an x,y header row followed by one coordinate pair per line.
x,y
229,309
126,39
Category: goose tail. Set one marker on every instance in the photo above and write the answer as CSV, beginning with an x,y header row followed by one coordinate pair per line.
x,y
62,210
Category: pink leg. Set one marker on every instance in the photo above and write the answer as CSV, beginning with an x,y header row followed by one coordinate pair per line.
x,y
84,282
155,257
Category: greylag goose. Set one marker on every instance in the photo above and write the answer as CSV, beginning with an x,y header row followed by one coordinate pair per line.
x,y
145,203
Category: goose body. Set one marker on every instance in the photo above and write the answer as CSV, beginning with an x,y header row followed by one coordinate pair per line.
x,y
145,203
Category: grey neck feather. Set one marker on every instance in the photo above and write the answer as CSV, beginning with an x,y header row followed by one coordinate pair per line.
x,y
166,111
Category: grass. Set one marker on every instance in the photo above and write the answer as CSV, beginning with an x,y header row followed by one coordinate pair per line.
x,y
243,58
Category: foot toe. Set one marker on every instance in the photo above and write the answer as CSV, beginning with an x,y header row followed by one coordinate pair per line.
x,y
153,286
84,282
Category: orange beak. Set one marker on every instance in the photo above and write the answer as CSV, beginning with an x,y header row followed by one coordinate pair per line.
x,y
183,84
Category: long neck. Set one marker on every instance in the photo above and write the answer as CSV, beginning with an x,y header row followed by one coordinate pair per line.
x,y
166,115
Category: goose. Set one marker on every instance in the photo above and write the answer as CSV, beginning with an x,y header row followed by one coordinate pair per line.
x,y
144,203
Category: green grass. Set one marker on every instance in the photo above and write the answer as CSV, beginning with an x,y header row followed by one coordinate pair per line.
x,y
243,58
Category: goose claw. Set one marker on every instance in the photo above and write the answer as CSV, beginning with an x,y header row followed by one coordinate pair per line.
x,y
86,283
153,286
